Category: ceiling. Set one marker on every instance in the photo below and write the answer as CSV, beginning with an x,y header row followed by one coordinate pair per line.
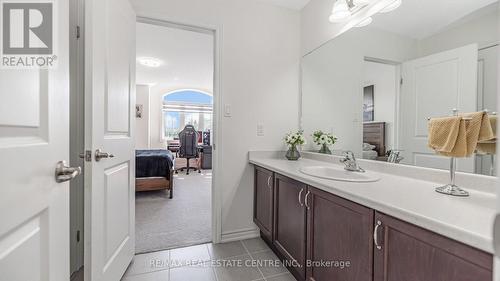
x,y
421,18
290,4
187,58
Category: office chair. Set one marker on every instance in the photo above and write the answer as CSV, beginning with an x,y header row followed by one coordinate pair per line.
x,y
188,141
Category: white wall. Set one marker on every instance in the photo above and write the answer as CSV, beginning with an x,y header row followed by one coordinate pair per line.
x,y
332,94
260,68
333,81
142,124
480,27
383,77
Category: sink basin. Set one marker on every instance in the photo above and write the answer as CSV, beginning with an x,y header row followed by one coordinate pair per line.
x,y
339,174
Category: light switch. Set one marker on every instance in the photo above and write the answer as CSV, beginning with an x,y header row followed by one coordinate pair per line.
x,y
227,110
260,130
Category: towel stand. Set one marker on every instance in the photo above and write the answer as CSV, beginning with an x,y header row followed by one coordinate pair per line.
x,y
451,188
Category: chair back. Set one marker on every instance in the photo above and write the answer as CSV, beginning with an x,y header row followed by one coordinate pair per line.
x,y
188,141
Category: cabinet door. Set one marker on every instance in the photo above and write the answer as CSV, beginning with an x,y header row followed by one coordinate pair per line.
x,y
410,253
340,232
263,201
290,223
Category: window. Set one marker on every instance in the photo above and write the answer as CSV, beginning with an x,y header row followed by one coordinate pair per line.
x,y
186,107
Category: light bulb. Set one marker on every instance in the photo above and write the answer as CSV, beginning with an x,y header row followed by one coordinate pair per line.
x,y
391,7
340,11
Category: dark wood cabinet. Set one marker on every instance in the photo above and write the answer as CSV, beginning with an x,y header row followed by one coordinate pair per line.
x,y
338,232
289,237
307,227
410,253
263,201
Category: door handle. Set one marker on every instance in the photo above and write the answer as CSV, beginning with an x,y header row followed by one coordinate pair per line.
x,y
300,197
375,235
306,200
99,155
66,173
269,181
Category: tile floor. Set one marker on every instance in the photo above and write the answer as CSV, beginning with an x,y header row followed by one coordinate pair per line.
x,y
247,260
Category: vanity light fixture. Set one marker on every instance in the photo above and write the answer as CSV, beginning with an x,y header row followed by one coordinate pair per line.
x,y
340,11
365,22
149,62
391,7
344,9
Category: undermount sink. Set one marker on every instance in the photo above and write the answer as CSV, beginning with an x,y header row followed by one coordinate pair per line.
x,y
339,174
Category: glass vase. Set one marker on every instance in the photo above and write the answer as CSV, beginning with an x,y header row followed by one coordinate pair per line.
x,y
324,149
293,153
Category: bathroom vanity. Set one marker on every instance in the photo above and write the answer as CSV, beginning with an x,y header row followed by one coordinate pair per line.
x,y
394,229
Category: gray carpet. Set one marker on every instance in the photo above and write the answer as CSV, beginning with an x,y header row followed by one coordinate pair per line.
x,y
162,223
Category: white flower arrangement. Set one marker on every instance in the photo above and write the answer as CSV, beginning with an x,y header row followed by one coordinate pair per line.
x,y
294,139
321,138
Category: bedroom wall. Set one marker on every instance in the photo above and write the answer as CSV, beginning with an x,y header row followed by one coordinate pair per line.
x,y
142,140
259,79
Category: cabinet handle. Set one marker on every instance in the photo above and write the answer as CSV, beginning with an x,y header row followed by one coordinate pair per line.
x,y
307,199
300,197
375,235
269,181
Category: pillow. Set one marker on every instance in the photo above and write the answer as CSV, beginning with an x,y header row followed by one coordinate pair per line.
x,y
368,147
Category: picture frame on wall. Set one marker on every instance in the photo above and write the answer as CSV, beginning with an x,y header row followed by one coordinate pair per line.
x,y
368,103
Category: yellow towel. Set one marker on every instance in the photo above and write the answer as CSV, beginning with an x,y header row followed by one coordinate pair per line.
x,y
458,136
478,129
489,146
447,136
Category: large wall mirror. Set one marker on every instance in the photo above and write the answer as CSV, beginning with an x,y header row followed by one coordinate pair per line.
x,y
375,87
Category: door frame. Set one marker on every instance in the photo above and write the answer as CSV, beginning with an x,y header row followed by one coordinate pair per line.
x,y
77,132
397,87
216,31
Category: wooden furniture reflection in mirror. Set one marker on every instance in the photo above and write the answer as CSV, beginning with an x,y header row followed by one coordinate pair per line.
x,y
374,134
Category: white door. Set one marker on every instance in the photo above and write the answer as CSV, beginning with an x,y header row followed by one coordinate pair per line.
x,y
432,87
34,136
110,116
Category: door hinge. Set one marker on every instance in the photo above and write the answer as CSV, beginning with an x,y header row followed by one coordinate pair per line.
x,y
77,32
78,236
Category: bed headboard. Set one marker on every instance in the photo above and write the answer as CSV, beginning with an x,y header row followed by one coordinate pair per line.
x,y
374,134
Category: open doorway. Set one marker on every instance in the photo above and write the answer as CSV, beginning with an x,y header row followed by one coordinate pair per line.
x,y
174,121
380,92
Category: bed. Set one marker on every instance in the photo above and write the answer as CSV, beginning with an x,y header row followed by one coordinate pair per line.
x,y
374,134
154,170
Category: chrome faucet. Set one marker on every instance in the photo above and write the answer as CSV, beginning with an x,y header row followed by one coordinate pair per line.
x,y
350,162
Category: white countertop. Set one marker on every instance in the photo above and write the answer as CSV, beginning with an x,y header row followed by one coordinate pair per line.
x,y
465,219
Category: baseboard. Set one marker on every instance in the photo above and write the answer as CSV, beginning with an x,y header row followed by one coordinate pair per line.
x,y
241,234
